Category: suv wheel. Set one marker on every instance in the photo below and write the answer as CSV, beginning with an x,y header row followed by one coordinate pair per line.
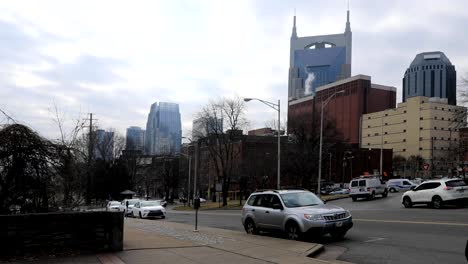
x,y
354,198
392,190
407,202
293,231
372,196
250,227
437,202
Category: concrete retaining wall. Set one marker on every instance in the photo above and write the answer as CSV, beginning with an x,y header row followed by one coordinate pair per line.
x,y
58,233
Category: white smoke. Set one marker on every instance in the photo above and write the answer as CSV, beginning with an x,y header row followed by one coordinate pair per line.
x,y
308,83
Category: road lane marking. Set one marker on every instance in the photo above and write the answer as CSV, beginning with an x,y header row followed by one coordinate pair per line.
x,y
409,222
374,239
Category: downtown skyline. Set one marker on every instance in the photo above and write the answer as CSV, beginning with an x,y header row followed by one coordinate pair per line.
x,y
118,61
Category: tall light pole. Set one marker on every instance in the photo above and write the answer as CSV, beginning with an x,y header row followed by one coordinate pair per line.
x,y
324,103
277,108
190,170
381,144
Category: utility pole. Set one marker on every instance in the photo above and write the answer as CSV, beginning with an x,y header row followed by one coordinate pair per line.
x,y
90,159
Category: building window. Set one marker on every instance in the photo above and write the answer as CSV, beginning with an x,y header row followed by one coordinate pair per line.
x,y
376,134
403,149
450,110
404,130
434,148
368,117
449,129
386,123
442,118
404,121
420,118
454,139
420,148
443,109
442,128
368,135
435,108
404,140
442,138
368,144
420,128
405,110
435,128
385,133
368,126
386,114
385,142
435,117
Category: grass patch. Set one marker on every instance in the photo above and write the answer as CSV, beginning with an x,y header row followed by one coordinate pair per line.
x,y
334,197
232,205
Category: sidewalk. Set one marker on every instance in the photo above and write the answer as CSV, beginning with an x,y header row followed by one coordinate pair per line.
x,y
159,241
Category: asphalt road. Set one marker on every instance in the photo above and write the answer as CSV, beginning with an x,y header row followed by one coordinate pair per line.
x,y
383,232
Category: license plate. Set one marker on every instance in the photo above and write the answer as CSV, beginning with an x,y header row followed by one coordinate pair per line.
x,y
338,224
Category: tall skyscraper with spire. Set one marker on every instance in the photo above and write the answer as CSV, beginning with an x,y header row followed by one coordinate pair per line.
x,y
163,129
318,60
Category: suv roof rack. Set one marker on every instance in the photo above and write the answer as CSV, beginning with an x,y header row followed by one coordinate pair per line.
x,y
266,190
294,188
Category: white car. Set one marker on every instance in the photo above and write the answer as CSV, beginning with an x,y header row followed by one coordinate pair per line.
x,y
149,209
437,193
396,185
367,187
114,206
128,203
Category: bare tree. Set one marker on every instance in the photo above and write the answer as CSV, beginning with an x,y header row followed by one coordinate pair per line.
x,y
222,119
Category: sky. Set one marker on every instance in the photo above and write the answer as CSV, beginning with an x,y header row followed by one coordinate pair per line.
x,y
115,58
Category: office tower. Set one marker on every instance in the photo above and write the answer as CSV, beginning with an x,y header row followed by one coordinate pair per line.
x,y
318,60
163,129
135,139
431,74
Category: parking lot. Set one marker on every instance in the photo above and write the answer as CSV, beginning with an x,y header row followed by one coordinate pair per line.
x,y
384,231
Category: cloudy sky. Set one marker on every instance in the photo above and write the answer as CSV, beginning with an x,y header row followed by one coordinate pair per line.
x,y
115,58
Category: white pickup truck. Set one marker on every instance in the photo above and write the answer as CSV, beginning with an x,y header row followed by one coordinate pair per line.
x,y
367,187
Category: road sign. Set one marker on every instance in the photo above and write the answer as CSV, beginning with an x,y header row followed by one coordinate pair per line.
x,y
219,187
425,166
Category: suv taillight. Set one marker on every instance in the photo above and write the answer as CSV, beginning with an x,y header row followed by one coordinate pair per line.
x,y
368,189
447,188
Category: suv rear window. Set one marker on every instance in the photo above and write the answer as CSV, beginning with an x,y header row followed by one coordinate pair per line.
x,y
455,183
362,183
252,200
354,183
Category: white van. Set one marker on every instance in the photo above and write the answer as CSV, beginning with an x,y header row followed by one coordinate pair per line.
x,y
367,187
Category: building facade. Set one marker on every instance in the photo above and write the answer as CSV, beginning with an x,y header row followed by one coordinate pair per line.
x,y
202,127
135,138
431,74
103,144
343,111
318,60
421,128
163,129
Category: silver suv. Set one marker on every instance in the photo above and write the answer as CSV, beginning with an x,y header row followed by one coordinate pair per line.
x,y
296,212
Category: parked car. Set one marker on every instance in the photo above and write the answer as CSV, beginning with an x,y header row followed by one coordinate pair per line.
x,y
396,185
437,193
148,209
295,212
114,206
367,187
339,191
131,202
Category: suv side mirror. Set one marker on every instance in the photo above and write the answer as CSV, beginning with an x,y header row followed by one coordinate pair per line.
x,y
277,206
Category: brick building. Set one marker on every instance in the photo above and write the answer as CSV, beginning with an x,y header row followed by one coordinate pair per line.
x,y
344,110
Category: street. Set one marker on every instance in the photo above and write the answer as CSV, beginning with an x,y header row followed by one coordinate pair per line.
x,y
384,231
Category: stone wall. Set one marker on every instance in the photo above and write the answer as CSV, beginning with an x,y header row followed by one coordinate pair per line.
x,y
59,233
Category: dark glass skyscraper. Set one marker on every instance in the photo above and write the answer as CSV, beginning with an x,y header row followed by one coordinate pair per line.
x,y
135,139
431,74
163,129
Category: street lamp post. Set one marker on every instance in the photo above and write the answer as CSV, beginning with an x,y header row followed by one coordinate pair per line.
x,y
324,103
190,171
277,108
